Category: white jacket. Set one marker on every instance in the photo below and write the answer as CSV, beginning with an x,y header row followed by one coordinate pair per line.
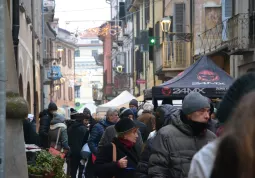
x,y
203,161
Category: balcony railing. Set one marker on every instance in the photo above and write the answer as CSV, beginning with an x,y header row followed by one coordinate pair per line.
x,y
234,34
173,56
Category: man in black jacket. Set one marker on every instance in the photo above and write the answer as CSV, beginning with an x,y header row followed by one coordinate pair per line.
x,y
176,144
45,119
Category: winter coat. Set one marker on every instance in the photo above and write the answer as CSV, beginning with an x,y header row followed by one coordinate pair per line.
x,y
45,119
173,149
203,161
148,119
213,125
77,137
110,133
30,135
106,168
96,134
142,167
63,138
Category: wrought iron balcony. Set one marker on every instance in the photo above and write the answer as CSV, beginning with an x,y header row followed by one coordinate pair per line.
x,y
235,36
173,56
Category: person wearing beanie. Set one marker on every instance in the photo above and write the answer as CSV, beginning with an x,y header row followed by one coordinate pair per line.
x,y
45,118
92,121
133,104
175,144
203,161
126,156
110,132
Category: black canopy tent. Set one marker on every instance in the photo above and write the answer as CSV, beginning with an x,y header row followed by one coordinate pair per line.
x,y
204,76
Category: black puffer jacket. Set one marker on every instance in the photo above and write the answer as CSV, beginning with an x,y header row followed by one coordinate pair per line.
x,y
173,149
164,113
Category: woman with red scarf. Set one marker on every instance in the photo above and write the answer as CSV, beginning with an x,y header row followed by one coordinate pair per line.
x,y
119,158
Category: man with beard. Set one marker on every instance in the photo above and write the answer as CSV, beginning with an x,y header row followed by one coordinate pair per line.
x,y
175,144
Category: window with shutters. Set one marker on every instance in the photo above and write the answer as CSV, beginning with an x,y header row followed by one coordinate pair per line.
x,y
179,27
69,58
59,92
70,93
137,23
51,48
64,91
77,91
77,53
64,57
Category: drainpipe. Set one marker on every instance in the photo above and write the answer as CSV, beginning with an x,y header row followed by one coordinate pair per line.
x,y
33,55
15,29
42,68
3,17
192,29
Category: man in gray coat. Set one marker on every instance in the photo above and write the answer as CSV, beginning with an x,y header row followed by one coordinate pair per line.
x,y
175,144
110,132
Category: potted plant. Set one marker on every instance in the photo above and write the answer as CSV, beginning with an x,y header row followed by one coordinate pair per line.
x,y
47,166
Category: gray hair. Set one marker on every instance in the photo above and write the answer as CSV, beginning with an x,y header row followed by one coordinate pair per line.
x,y
111,111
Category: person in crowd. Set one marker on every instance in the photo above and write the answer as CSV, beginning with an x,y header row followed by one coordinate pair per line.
x,y
92,121
96,133
71,121
140,112
45,119
234,157
162,113
58,127
203,161
29,130
77,137
176,144
124,166
110,132
212,123
133,104
148,118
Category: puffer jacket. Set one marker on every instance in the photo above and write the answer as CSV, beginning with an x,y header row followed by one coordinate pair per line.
x,y
174,147
96,134
164,118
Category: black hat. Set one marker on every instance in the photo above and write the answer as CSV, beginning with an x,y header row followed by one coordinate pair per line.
x,y
52,106
134,102
125,113
236,91
124,125
78,117
86,111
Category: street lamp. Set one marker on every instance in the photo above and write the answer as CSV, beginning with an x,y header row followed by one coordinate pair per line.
x,y
166,24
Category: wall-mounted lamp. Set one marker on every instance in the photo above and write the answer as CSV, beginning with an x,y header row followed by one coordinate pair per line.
x,y
62,80
166,24
60,49
56,88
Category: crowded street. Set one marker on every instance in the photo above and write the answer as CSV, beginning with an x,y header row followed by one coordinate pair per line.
x,y
127,88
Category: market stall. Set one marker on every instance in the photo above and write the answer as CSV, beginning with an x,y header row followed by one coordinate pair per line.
x,y
204,76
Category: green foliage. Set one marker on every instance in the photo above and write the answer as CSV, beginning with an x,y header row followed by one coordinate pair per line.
x,y
48,164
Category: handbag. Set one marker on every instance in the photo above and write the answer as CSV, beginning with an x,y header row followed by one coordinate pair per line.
x,y
85,152
54,151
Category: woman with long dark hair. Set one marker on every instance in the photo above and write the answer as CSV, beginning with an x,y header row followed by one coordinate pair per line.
x,y
236,151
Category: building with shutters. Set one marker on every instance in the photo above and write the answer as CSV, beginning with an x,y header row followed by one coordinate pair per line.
x,y
88,68
227,34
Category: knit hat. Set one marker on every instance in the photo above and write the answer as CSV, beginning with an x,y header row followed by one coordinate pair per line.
x,y
86,111
124,125
193,102
148,107
52,106
133,102
58,118
236,91
125,113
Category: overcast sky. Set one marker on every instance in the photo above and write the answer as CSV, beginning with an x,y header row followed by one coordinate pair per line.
x,y
93,13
